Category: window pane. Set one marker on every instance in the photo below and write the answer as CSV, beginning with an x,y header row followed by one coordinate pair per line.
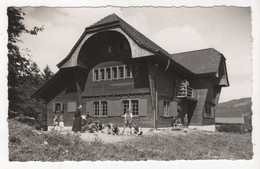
x,y
102,74
104,108
127,71
135,107
96,108
125,105
114,70
96,75
57,107
121,71
108,73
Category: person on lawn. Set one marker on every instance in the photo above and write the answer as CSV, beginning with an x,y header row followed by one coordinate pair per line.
x,y
186,121
128,120
61,123
137,130
77,121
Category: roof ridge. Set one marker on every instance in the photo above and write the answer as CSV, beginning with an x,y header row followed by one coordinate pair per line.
x,y
197,50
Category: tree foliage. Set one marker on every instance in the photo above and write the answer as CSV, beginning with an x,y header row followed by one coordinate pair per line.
x,y
47,73
24,75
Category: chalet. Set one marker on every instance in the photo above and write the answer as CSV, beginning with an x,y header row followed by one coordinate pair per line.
x,y
113,67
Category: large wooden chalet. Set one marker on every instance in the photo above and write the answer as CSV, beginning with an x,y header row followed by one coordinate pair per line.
x,y
113,67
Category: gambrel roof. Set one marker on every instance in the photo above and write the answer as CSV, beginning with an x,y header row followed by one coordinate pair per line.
x,y
112,21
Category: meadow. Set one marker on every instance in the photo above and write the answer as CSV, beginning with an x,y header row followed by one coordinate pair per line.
x,y
27,144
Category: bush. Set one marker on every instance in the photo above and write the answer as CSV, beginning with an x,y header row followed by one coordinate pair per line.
x,y
230,128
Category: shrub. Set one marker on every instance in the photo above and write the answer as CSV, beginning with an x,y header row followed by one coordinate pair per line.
x,y
230,128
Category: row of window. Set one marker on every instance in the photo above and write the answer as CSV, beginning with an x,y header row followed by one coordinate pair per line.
x,y
115,72
100,108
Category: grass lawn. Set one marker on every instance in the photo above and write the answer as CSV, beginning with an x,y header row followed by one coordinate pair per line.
x,y
26,144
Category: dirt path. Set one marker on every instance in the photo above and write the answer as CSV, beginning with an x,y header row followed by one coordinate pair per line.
x,y
109,138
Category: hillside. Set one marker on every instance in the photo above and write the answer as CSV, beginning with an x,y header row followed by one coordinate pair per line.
x,y
235,108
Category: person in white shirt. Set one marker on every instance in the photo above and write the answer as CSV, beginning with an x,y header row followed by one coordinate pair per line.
x,y
128,120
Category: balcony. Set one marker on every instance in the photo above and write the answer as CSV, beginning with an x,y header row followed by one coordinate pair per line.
x,y
187,92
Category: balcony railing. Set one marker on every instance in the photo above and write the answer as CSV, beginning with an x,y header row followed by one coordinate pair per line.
x,y
186,92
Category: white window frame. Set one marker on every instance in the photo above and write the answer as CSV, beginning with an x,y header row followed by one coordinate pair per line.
x,y
110,69
116,72
94,109
130,106
100,73
119,73
102,110
130,76
94,75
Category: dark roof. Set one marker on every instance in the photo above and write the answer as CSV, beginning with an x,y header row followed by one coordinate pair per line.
x,y
138,37
200,61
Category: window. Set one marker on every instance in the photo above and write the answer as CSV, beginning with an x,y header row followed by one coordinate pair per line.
x,y
104,108
57,107
135,71
209,111
128,71
102,74
135,107
121,71
125,105
96,108
114,70
72,106
166,108
108,73
96,75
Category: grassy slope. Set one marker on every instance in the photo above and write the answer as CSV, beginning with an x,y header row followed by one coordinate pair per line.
x,y
26,145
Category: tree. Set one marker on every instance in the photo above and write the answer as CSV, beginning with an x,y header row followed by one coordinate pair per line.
x,y
21,71
47,73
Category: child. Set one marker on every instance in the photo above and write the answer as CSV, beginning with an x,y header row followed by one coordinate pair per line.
x,y
112,129
55,123
115,130
137,130
186,121
128,120
61,123
178,124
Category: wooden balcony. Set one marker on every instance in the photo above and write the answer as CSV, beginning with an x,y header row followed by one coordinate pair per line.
x,y
187,92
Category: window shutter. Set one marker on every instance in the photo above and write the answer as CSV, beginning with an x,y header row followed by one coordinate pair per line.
x,y
160,108
53,107
89,107
61,107
72,106
173,109
142,107
115,108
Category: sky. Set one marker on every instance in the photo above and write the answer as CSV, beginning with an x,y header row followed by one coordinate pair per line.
x,y
227,29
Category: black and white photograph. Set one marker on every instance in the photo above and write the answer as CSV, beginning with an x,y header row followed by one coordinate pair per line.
x,y
129,84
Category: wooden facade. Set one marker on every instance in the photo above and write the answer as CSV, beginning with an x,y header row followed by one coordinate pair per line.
x,y
113,66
